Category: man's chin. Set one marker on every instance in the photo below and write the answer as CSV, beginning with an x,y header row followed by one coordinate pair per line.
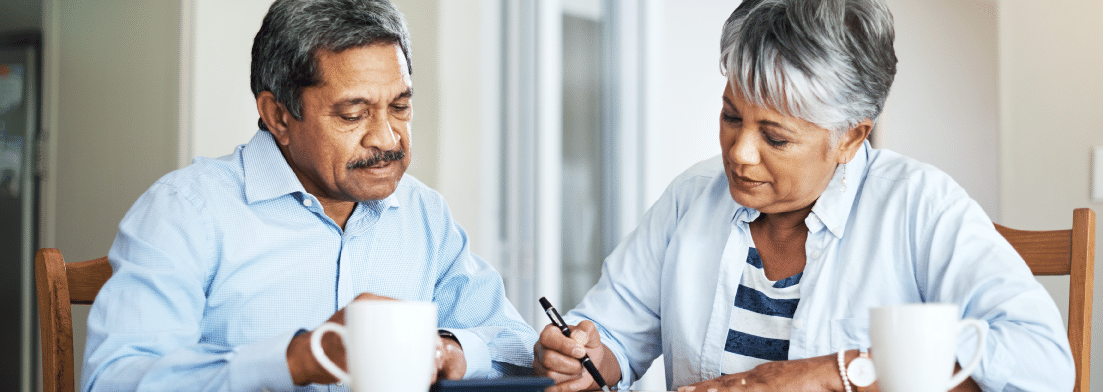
x,y
372,192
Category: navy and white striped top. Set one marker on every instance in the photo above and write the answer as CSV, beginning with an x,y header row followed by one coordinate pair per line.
x,y
758,329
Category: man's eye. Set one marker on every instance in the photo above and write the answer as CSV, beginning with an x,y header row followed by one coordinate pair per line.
x,y
351,117
400,108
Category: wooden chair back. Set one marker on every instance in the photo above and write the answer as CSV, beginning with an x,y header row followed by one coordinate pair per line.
x,y
59,286
1072,253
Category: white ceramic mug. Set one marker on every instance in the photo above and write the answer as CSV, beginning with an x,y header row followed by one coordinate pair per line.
x,y
389,345
914,345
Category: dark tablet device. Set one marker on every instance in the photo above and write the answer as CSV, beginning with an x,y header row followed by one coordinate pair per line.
x,y
506,384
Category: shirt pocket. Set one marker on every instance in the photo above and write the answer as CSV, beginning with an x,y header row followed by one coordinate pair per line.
x,y
849,333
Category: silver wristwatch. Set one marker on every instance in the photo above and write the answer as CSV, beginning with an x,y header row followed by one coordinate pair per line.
x,y
860,371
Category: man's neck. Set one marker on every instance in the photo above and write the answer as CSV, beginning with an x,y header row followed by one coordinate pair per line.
x,y
339,211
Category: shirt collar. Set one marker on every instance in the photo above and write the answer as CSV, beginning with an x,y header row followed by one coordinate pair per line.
x,y
833,206
268,176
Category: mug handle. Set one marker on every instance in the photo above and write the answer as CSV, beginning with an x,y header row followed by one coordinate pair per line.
x,y
982,333
320,354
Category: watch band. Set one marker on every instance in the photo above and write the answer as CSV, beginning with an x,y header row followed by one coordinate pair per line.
x,y
443,333
842,369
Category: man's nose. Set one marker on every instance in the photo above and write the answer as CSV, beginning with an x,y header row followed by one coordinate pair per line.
x,y
380,134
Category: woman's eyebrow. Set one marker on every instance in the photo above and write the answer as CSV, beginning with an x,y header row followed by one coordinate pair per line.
x,y
776,125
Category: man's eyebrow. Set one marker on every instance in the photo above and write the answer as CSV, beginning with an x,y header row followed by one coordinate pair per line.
x,y
409,93
348,103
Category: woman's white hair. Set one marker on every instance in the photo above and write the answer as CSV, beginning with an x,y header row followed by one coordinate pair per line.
x,y
828,62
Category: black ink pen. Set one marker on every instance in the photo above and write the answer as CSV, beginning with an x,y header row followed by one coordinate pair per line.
x,y
558,322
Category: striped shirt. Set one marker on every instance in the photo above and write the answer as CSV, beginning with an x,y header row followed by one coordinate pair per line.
x,y
758,329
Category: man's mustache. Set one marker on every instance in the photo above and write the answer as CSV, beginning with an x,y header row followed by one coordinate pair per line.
x,y
385,156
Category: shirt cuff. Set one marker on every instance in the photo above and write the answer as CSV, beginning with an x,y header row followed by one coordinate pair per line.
x,y
475,353
262,365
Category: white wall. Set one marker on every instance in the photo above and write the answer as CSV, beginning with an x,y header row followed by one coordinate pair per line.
x,y
109,81
942,108
470,86
686,86
1051,105
217,108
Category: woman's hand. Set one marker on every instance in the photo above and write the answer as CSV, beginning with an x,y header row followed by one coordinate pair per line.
x,y
557,357
810,374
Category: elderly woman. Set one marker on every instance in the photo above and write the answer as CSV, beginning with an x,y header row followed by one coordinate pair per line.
x,y
757,267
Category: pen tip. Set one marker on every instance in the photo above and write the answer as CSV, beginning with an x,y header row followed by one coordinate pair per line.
x,y
544,302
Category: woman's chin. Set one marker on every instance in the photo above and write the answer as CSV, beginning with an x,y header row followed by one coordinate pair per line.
x,y
747,199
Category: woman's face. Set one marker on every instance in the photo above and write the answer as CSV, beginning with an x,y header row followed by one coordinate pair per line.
x,y
776,163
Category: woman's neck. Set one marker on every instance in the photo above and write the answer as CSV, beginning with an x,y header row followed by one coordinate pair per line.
x,y
784,222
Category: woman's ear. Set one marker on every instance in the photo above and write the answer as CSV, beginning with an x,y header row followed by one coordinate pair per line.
x,y
275,116
852,140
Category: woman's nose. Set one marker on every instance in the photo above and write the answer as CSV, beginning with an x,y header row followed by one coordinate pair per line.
x,y
744,151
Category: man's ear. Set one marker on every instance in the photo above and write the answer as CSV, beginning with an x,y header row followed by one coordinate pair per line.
x,y
852,140
275,116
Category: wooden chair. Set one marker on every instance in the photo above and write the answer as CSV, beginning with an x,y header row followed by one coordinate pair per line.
x,y
61,285
1066,252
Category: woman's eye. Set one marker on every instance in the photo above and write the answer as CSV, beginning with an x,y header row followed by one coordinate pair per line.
x,y
730,119
775,142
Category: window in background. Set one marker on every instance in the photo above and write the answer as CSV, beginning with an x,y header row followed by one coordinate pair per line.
x,y
570,144
584,215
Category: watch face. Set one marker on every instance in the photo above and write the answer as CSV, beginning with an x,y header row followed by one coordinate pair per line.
x,y
860,372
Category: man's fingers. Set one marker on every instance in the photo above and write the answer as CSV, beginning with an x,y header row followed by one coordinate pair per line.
x,y
372,296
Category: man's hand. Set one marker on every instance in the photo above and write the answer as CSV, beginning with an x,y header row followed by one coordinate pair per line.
x,y
304,368
557,357
451,364
810,374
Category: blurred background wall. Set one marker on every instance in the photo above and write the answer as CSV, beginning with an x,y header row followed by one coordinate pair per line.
x,y
1003,95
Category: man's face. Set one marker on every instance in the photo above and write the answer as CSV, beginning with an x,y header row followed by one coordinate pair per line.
x,y
354,139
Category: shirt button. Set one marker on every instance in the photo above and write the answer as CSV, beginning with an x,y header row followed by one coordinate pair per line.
x,y
798,323
815,254
340,384
308,202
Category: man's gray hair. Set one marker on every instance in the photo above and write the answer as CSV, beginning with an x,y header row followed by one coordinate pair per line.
x,y
284,50
828,62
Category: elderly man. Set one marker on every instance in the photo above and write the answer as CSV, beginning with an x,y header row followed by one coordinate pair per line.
x,y
221,268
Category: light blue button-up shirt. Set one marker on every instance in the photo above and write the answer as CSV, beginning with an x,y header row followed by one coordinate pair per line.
x,y
900,232
219,264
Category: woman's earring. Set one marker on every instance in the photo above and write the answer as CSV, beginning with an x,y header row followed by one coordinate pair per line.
x,y
844,178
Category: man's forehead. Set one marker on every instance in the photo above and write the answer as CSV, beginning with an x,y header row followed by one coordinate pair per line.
x,y
367,73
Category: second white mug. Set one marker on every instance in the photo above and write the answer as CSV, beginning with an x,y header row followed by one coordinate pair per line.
x,y
914,345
